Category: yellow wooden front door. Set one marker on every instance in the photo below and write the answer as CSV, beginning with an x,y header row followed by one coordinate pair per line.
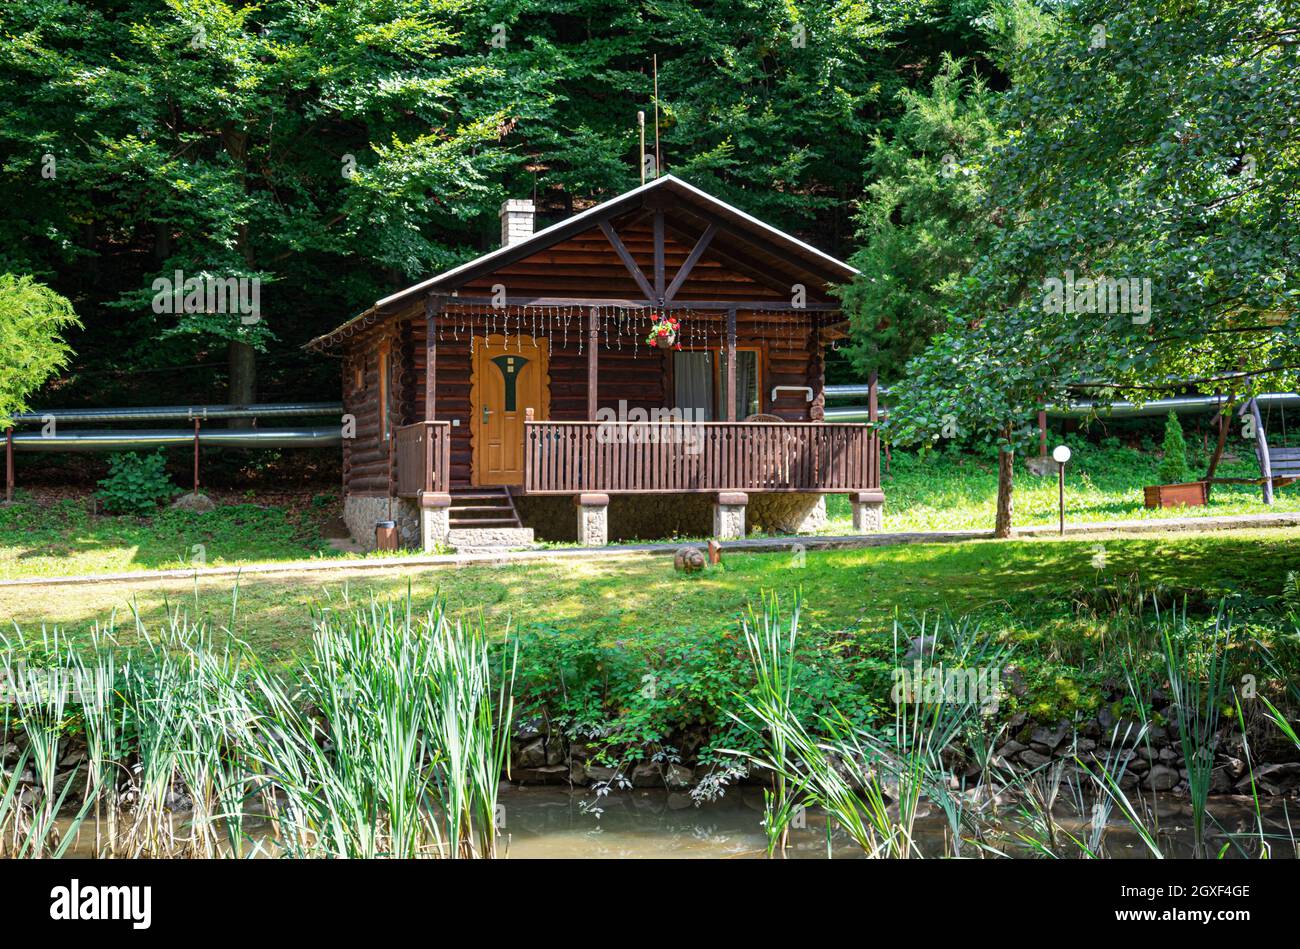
x,y
510,377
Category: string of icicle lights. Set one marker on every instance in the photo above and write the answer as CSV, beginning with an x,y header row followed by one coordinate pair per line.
x,y
617,327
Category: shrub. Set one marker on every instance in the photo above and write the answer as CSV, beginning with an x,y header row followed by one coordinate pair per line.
x,y
135,483
1173,469
31,350
624,696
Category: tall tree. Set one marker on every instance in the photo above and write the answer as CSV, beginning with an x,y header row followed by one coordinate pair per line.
x,y
264,143
923,220
1147,233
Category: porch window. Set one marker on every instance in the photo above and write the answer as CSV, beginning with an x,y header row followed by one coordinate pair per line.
x,y
693,383
700,382
747,398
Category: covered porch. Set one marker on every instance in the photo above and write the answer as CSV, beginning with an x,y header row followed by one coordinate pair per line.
x,y
510,438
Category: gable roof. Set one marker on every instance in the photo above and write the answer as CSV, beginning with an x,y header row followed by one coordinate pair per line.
x,y
795,257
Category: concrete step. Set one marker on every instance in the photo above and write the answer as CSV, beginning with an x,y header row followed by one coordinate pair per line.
x,y
489,539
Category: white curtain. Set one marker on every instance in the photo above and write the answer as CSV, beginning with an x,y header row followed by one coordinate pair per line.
x,y
693,383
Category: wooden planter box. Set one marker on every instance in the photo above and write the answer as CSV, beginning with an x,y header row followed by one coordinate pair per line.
x,y
1191,493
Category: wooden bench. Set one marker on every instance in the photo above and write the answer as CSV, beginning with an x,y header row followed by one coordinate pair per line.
x,y
1278,467
1284,464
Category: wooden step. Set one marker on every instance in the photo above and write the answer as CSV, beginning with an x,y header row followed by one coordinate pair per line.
x,y
489,508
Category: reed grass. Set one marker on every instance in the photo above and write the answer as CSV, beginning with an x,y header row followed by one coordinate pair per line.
x,y
870,786
1197,701
386,741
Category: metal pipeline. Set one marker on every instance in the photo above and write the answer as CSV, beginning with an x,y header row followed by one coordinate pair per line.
x,y
845,392
91,440
1182,405
852,413
186,412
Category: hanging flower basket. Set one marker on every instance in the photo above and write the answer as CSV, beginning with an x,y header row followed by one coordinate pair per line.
x,y
663,333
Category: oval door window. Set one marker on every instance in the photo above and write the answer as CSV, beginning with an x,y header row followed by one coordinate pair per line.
x,y
511,367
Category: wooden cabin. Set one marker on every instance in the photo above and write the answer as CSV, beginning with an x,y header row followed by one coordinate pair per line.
x,y
518,396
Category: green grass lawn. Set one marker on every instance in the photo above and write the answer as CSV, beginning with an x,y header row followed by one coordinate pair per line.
x,y
945,490
1023,582
64,538
939,491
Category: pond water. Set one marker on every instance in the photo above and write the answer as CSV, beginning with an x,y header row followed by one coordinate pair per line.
x,y
551,822
554,822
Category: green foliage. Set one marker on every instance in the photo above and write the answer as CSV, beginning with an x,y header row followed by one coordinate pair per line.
x,y
1146,141
1291,591
389,740
336,150
923,222
32,317
136,482
1173,467
674,688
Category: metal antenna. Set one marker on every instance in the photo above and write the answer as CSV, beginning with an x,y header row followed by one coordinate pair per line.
x,y
657,159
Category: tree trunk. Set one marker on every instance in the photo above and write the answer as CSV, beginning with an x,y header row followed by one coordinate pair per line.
x,y
1006,472
242,358
243,379
162,243
1225,419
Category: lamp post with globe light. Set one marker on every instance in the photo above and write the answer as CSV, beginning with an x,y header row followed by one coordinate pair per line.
x,y
1061,454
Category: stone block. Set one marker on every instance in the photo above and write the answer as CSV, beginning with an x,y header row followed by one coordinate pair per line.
x,y
868,511
593,519
729,515
435,521
476,540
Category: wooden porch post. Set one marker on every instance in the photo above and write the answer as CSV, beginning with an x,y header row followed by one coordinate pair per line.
x,y
731,364
873,416
430,357
593,340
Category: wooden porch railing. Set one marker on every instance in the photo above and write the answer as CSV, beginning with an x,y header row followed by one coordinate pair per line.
x,y
423,458
670,458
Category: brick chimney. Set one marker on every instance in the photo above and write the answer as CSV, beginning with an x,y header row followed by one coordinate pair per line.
x,y
516,221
